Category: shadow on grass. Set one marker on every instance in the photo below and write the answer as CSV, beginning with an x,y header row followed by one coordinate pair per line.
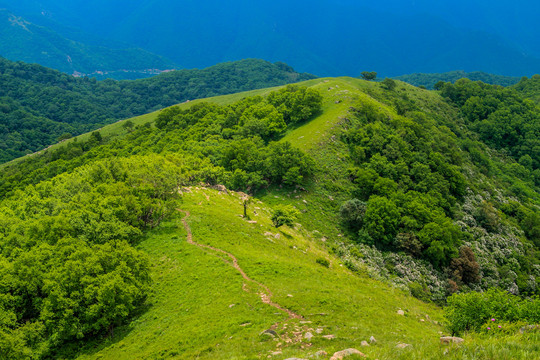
x,y
90,346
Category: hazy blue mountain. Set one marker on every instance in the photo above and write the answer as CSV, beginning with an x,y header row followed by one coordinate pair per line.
x,y
323,37
23,40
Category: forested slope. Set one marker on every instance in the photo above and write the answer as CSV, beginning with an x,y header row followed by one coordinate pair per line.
x,y
429,80
39,105
530,88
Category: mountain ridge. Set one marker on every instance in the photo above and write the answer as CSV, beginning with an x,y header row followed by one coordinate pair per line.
x,y
429,80
326,192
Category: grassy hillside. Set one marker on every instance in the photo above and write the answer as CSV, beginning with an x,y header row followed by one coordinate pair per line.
x,y
200,309
348,155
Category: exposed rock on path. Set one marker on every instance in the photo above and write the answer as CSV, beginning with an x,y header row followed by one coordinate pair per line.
x,y
451,340
344,353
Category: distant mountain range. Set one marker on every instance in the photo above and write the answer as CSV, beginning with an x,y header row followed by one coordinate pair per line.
x,y
326,38
23,40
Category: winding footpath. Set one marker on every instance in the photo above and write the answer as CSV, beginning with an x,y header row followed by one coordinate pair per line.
x,y
265,294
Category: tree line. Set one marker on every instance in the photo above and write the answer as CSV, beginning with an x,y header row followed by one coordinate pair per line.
x,y
39,105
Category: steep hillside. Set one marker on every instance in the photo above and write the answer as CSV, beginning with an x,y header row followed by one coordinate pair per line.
x,y
25,41
354,195
40,106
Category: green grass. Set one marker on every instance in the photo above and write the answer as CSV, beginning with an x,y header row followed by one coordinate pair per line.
x,y
198,309
510,347
189,314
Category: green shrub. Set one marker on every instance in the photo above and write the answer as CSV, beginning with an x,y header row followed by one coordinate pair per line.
x,y
284,215
419,291
352,213
323,262
471,311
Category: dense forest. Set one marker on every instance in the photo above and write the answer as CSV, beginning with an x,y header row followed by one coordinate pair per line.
x,y
530,88
502,118
39,106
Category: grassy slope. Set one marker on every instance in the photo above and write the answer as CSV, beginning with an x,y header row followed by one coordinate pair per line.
x,y
189,314
320,137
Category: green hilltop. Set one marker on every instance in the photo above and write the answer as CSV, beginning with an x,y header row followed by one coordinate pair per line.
x,y
282,222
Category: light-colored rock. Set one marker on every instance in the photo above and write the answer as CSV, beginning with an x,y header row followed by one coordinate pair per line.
x,y
401,312
275,353
372,340
344,353
269,332
277,236
319,330
232,305
289,295
252,221
329,337
402,345
321,353
451,340
308,336
527,328
220,188
364,343
305,322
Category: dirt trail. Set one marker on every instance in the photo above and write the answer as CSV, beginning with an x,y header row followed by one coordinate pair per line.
x,y
265,294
